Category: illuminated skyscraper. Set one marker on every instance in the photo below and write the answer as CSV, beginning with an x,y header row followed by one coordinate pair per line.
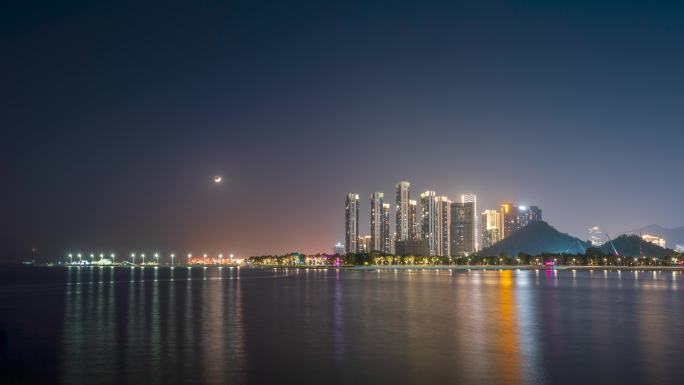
x,y
376,221
351,223
491,227
509,219
443,225
472,198
414,230
393,244
403,195
428,220
385,234
457,229
527,215
462,228
435,220
522,217
534,214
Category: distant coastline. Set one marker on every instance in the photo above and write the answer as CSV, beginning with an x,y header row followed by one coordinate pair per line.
x,y
381,267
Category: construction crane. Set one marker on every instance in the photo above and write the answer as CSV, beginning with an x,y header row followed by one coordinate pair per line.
x,y
612,245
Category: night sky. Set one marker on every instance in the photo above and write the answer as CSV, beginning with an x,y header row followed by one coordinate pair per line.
x,y
115,117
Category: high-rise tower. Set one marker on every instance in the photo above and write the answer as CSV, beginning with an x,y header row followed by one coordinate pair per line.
x,y
385,234
351,216
376,221
509,219
403,196
523,219
534,214
442,227
413,223
527,215
435,220
462,228
428,216
491,227
472,198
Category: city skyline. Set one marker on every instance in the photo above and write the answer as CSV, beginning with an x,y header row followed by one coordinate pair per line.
x,y
118,119
349,192
448,228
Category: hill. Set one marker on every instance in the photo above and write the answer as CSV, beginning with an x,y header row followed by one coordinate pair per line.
x,y
537,238
634,246
673,237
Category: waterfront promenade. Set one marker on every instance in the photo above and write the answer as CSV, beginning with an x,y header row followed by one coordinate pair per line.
x,y
393,267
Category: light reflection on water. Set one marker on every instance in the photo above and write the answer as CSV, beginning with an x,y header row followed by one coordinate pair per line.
x,y
162,325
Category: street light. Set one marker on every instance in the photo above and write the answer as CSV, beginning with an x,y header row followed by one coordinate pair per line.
x,y
71,258
143,258
189,257
156,255
79,257
133,258
101,256
112,256
172,255
92,257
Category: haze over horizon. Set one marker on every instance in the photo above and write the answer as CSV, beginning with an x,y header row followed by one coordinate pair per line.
x,y
116,118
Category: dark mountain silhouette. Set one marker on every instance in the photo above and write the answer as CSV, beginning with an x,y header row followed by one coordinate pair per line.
x,y
673,237
634,246
537,238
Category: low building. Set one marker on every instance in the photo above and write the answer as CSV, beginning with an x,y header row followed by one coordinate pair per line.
x,y
656,240
414,247
322,260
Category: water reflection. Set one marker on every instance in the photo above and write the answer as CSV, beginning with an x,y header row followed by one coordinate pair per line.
x,y
127,325
509,354
121,325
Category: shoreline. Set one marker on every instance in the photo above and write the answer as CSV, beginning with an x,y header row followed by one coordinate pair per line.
x,y
388,267
522,267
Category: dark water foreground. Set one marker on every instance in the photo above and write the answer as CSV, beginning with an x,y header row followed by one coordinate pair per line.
x,y
230,326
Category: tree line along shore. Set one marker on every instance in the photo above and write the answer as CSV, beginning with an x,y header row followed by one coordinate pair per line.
x,y
595,259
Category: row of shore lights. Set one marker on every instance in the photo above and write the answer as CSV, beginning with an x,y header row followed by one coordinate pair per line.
x,y
133,255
